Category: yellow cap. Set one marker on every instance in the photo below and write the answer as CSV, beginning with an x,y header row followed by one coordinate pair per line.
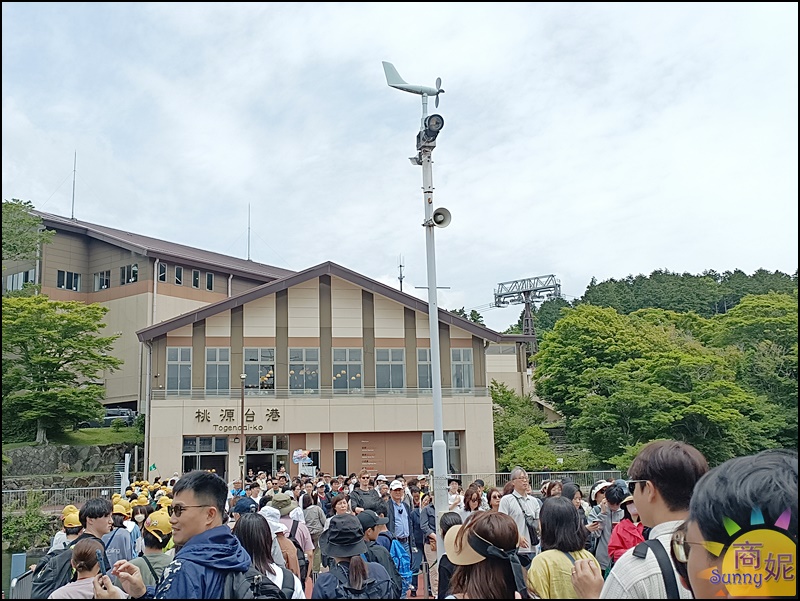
x,y
72,520
164,501
69,509
157,524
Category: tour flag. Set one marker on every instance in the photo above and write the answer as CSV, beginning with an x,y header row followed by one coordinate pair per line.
x,y
152,467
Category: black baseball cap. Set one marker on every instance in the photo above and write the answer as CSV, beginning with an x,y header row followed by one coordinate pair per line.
x,y
370,519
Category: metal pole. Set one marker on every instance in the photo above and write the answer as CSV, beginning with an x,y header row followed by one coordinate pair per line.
x,y
439,445
241,434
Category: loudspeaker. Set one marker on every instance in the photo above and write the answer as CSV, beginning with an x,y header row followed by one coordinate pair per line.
x,y
441,217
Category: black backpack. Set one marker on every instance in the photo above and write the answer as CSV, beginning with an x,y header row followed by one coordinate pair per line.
x,y
301,555
345,591
54,570
252,584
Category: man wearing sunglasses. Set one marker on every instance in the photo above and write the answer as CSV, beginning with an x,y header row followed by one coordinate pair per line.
x,y
763,486
663,476
365,496
208,549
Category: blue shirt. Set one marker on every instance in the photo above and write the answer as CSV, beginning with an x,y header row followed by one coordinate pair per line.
x,y
400,520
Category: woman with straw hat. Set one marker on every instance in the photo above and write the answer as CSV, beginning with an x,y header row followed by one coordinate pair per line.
x,y
484,551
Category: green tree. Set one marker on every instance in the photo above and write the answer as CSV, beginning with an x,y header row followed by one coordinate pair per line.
x,y
513,415
530,450
52,355
23,234
475,317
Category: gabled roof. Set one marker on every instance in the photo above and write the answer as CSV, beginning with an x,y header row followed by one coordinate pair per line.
x,y
163,250
327,268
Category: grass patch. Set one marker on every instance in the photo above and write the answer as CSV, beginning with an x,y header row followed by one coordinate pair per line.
x,y
87,436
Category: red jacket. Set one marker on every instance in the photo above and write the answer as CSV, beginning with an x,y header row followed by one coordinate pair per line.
x,y
625,535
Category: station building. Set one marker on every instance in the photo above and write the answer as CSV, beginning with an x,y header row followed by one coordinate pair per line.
x,y
335,364
326,361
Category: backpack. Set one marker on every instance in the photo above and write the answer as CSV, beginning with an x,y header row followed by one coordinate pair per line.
x,y
402,560
345,591
301,555
53,571
252,584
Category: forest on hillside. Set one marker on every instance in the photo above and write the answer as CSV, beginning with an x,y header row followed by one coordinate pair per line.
x,y
710,359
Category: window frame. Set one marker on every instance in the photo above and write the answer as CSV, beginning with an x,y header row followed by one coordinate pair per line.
x,y
391,363
178,278
304,365
216,363
162,272
184,360
347,370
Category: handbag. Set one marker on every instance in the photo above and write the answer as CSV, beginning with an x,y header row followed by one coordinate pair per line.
x,y
530,522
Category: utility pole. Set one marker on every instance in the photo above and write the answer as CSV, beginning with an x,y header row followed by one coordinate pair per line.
x,y
430,126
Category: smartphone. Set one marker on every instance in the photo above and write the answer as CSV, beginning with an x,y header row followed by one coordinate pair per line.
x,y
100,561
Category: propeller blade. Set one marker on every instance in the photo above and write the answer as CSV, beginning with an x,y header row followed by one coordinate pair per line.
x,y
436,103
438,82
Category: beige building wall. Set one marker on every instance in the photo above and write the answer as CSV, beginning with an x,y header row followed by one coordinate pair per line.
x,y
389,319
219,325
345,309
168,306
423,327
259,318
304,310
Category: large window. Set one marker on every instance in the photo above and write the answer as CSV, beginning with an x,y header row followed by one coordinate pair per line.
x,y
17,280
68,280
218,370
347,369
102,280
129,274
453,442
390,368
178,275
461,368
424,371
205,453
259,367
304,369
162,272
179,369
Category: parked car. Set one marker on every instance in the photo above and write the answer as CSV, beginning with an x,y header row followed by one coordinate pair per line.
x,y
128,416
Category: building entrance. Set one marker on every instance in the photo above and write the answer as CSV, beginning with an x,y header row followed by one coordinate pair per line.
x,y
266,453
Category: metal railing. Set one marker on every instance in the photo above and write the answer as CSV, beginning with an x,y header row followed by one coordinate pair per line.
x,y
21,586
53,498
236,393
583,479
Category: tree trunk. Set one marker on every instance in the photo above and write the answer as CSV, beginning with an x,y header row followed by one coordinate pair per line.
x,y
41,433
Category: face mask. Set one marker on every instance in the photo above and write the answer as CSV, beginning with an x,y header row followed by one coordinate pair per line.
x,y
139,517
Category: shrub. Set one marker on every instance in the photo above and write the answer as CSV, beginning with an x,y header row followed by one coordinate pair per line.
x,y
29,529
118,424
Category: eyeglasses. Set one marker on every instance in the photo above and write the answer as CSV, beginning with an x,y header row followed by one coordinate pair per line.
x,y
496,497
632,485
177,510
679,550
365,477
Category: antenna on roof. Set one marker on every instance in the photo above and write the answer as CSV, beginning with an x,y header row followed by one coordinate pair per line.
x,y
74,165
248,231
401,273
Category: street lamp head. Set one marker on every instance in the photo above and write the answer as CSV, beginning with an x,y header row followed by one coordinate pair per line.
x,y
243,376
434,123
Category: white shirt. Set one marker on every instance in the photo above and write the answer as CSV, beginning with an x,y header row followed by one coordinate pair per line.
x,y
634,578
510,504
277,579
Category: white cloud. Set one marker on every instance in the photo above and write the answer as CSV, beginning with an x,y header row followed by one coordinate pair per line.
x,y
580,139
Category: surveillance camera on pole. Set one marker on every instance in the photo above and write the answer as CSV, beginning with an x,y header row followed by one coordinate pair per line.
x,y
430,126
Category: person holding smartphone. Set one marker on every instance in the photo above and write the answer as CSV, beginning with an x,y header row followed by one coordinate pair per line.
x,y
603,518
87,561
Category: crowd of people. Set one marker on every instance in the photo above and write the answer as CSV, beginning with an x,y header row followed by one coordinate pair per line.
x,y
370,536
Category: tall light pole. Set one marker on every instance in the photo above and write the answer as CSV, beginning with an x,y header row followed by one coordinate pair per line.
x,y
430,126
241,432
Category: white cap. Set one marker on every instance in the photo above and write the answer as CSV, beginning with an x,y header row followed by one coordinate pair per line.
x,y
423,477
381,477
320,483
395,485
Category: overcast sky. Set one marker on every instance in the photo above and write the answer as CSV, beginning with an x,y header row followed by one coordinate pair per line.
x,y
580,140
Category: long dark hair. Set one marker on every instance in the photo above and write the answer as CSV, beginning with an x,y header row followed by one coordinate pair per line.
x,y
491,578
562,526
254,533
